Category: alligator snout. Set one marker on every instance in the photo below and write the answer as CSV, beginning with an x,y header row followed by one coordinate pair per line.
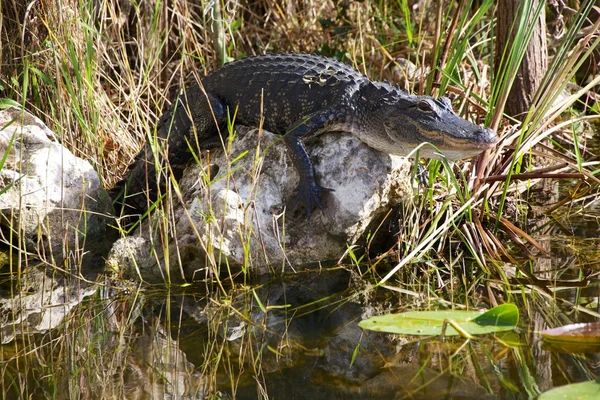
x,y
486,136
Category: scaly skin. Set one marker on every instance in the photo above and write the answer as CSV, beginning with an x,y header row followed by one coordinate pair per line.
x,y
300,96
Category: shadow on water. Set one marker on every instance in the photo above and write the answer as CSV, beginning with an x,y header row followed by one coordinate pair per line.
x,y
297,337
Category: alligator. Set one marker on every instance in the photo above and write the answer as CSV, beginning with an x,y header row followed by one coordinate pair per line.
x,y
300,96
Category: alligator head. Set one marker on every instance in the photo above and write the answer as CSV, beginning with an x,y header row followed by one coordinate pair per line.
x,y
410,121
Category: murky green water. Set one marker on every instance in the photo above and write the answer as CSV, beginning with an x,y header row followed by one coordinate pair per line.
x,y
302,343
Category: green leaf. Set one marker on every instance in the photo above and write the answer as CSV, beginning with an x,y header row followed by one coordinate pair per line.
x,y
6,103
502,315
430,323
576,391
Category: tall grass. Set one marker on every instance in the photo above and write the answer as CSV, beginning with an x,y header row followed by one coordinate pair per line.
x,y
100,73
546,109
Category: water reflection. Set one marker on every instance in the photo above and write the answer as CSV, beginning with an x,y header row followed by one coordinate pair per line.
x,y
296,336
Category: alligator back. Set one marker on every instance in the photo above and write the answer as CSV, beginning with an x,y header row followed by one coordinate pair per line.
x,y
282,88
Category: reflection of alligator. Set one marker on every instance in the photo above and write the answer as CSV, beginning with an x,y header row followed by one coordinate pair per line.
x,y
300,96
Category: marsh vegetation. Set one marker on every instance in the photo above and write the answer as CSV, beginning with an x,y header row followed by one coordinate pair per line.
x,y
519,224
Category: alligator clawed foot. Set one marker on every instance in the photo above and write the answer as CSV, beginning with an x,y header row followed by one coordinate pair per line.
x,y
307,198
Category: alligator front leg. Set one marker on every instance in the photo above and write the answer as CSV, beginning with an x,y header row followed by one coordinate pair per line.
x,y
308,191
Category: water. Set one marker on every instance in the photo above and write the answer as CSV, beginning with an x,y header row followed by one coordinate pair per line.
x,y
301,340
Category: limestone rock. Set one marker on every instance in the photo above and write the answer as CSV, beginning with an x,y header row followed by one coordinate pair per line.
x,y
239,215
41,302
48,197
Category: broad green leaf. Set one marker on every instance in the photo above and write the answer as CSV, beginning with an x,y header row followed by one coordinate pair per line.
x,y
574,338
430,323
576,391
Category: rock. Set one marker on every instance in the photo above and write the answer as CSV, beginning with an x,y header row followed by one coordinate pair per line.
x,y
136,253
239,216
119,331
50,199
41,302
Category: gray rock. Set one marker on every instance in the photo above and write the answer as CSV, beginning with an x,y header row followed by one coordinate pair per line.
x,y
40,303
119,332
48,197
239,217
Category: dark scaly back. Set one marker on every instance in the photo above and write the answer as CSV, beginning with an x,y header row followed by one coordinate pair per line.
x,y
290,87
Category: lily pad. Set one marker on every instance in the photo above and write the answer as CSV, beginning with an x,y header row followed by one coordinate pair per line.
x,y
430,323
574,338
580,391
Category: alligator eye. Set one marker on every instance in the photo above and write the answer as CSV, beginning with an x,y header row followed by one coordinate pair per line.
x,y
425,106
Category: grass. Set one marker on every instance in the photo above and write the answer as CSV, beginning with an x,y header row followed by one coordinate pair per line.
x,y
99,74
